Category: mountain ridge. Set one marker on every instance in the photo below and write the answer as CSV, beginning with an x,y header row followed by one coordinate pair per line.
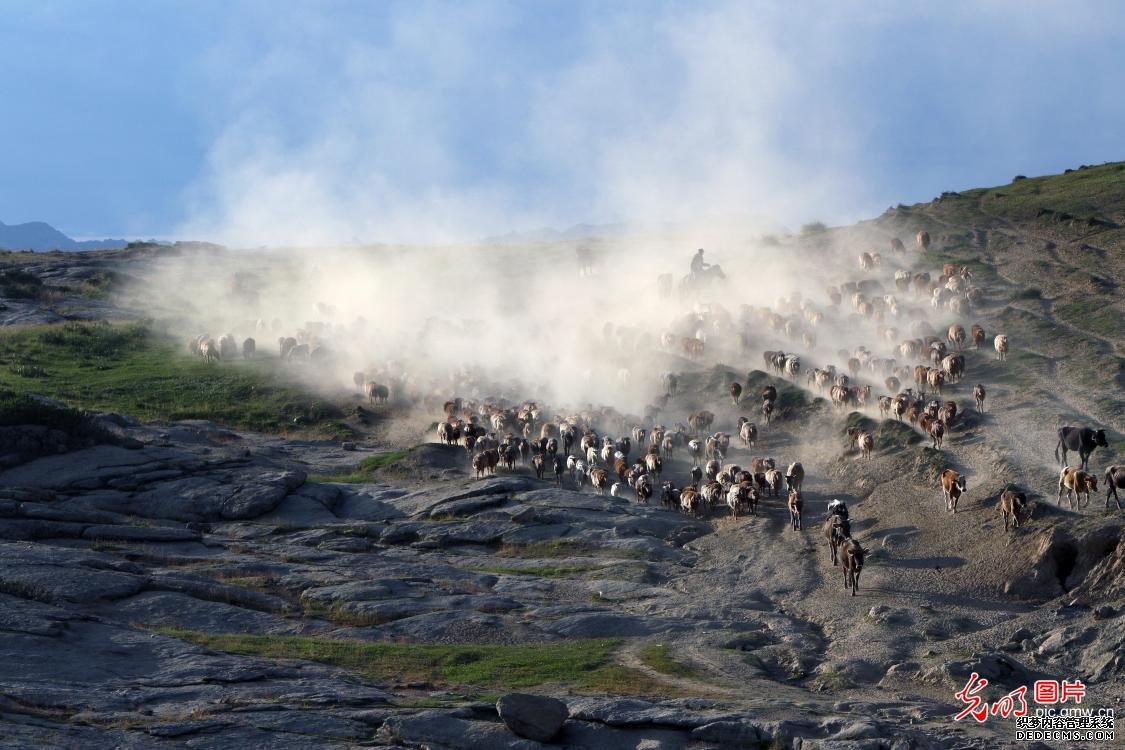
x,y
41,236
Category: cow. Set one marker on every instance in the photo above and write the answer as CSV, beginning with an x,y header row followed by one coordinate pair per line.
x,y
1076,483
977,335
1114,478
953,486
836,530
852,556
1082,439
796,506
1012,506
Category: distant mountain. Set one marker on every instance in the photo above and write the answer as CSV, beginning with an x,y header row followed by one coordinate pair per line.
x,y
39,235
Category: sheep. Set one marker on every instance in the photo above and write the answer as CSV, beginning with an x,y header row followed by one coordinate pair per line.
x,y
299,351
734,499
953,487
711,470
747,432
956,336
249,346
537,464
978,394
210,350
1000,343
792,366
696,474
654,464
767,412
712,494
376,392
580,474
922,239
558,465
795,476
1076,482
1012,506
736,392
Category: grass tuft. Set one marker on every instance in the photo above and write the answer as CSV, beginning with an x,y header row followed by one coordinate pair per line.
x,y
655,655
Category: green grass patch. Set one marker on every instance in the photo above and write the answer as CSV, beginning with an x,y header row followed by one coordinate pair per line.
x,y
105,547
130,369
364,472
655,656
545,550
583,665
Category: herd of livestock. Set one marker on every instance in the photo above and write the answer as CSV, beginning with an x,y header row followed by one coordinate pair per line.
x,y
908,357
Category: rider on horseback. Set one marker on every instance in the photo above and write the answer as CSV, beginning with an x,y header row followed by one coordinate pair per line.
x,y
697,264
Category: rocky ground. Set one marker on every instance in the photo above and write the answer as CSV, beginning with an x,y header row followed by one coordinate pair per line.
x,y
183,584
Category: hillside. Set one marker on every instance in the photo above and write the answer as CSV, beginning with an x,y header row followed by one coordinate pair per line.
x,y
242,547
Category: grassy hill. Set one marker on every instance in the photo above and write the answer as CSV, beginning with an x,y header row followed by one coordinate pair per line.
x,y
131,369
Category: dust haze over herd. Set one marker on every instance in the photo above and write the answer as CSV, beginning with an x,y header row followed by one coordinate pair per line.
x,y
372,449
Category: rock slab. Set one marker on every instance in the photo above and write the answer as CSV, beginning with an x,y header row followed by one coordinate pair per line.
x,y
535,717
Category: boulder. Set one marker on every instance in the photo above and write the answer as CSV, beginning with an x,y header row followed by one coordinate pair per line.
x,y
535,717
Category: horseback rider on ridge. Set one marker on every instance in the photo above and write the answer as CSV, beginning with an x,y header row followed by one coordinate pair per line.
x,y
698,266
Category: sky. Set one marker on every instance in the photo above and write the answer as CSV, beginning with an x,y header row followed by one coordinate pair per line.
x,y
305,122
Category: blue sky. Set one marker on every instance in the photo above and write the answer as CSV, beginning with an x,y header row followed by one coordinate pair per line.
x,y
261,121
